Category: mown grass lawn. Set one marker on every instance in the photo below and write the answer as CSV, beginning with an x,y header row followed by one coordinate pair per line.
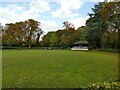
x,y
57,68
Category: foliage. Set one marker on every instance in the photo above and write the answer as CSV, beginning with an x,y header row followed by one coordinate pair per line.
x,y
63,38
22,32
103,86
67,25
103,25
1,29
10,41
53,40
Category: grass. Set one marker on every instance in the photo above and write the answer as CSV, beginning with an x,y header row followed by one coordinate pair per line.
x,y
0,69
57,68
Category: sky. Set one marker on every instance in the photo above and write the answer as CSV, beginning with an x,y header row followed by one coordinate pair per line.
x,y
51,13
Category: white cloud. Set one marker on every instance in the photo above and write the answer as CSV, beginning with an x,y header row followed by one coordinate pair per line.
x,y
15,7
64,13
40,6
78,21
70,4
8,15
49,26
11,16
14,13
67,8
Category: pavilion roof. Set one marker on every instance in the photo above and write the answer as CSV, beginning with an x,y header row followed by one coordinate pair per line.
x,y
81,42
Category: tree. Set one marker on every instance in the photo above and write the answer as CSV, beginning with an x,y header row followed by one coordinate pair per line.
x,y
53,39
46,40
95,27
39,33
81,33
19,33
60,38
110,14
67,25
30,27
9,30
1,30
10,41
24,33
103,25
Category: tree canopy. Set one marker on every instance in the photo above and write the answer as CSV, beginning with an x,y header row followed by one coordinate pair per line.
x,y
23,33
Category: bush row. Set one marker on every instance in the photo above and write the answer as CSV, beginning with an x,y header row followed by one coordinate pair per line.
x,y
103,86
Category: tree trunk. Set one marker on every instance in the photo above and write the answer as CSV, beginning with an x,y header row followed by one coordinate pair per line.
x,y
29,45
38,40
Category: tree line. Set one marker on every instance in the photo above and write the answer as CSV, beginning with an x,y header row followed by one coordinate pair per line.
x,y
21,33
63,38
101,30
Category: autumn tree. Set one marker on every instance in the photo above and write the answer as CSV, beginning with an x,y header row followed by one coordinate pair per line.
x,y
23,33
19,33
31,27
110,13
61,38
10,41
9,30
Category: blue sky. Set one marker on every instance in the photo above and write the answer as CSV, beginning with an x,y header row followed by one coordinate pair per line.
x,y
51,13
